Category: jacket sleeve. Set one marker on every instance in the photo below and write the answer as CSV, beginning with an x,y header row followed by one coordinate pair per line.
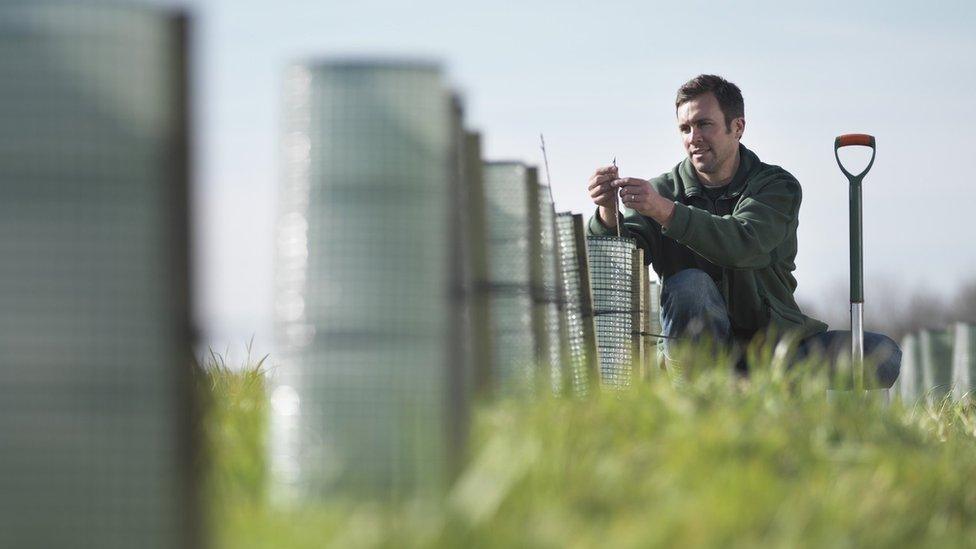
x,y
746,238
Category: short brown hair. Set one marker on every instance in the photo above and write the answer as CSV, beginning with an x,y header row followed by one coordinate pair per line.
x,y
728,94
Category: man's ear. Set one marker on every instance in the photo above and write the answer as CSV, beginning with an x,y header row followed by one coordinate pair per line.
x,y
739,127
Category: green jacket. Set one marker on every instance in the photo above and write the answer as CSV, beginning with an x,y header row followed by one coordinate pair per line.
x,y
745,240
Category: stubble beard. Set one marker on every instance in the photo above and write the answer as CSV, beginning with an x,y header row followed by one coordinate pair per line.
x,y
706,167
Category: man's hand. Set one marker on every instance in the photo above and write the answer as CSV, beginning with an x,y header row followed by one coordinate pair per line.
x,y
639,195
603,195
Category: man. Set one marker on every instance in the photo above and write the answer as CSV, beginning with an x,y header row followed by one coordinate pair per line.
x,y
720,232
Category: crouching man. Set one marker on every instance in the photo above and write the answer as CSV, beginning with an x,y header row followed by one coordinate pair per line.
x,y
720,231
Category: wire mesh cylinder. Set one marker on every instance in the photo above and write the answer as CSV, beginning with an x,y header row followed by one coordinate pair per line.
x,y
936,354
477,294
611,276
654,325
511,216
95,418
911,378
462,340
536,283
638,282
363,283
578,302
648,339
963,360
549,292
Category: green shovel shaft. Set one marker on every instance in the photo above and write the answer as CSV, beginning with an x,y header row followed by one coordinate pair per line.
x,y
857,240
857,243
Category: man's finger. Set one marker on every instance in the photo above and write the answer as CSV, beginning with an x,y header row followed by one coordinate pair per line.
x,y
627,182
606,170
598,180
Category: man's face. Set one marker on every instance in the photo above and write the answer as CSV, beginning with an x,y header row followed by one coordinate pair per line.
x,y
709,144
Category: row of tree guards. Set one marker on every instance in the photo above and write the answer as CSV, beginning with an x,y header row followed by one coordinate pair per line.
x,y
411,279
414,278
937,364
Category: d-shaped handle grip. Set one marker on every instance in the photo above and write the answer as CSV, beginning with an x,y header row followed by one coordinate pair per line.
x,y
849,139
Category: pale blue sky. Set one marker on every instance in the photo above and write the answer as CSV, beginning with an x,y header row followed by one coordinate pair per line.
x,y
599,80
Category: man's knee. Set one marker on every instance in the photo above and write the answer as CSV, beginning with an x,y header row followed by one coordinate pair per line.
x,y
689,278
691,305
690,283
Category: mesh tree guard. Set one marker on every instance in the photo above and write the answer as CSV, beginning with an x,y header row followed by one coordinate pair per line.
x,y
511,216
96,415
478,290
549,292
363,296
936,354
963,360
578,303
539,311
638,315
653,344
611,276
909,380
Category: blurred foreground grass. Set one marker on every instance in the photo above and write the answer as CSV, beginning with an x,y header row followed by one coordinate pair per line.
x,y
701,461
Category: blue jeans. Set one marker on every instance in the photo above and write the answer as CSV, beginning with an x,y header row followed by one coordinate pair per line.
x,y
692,308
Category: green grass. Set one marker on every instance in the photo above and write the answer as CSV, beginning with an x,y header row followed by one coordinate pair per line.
x,y
700,460
234,430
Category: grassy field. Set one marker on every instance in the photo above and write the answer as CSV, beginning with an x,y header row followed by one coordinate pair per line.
x,y
694,460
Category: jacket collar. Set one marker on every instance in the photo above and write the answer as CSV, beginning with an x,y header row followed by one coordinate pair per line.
x,y
692,187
